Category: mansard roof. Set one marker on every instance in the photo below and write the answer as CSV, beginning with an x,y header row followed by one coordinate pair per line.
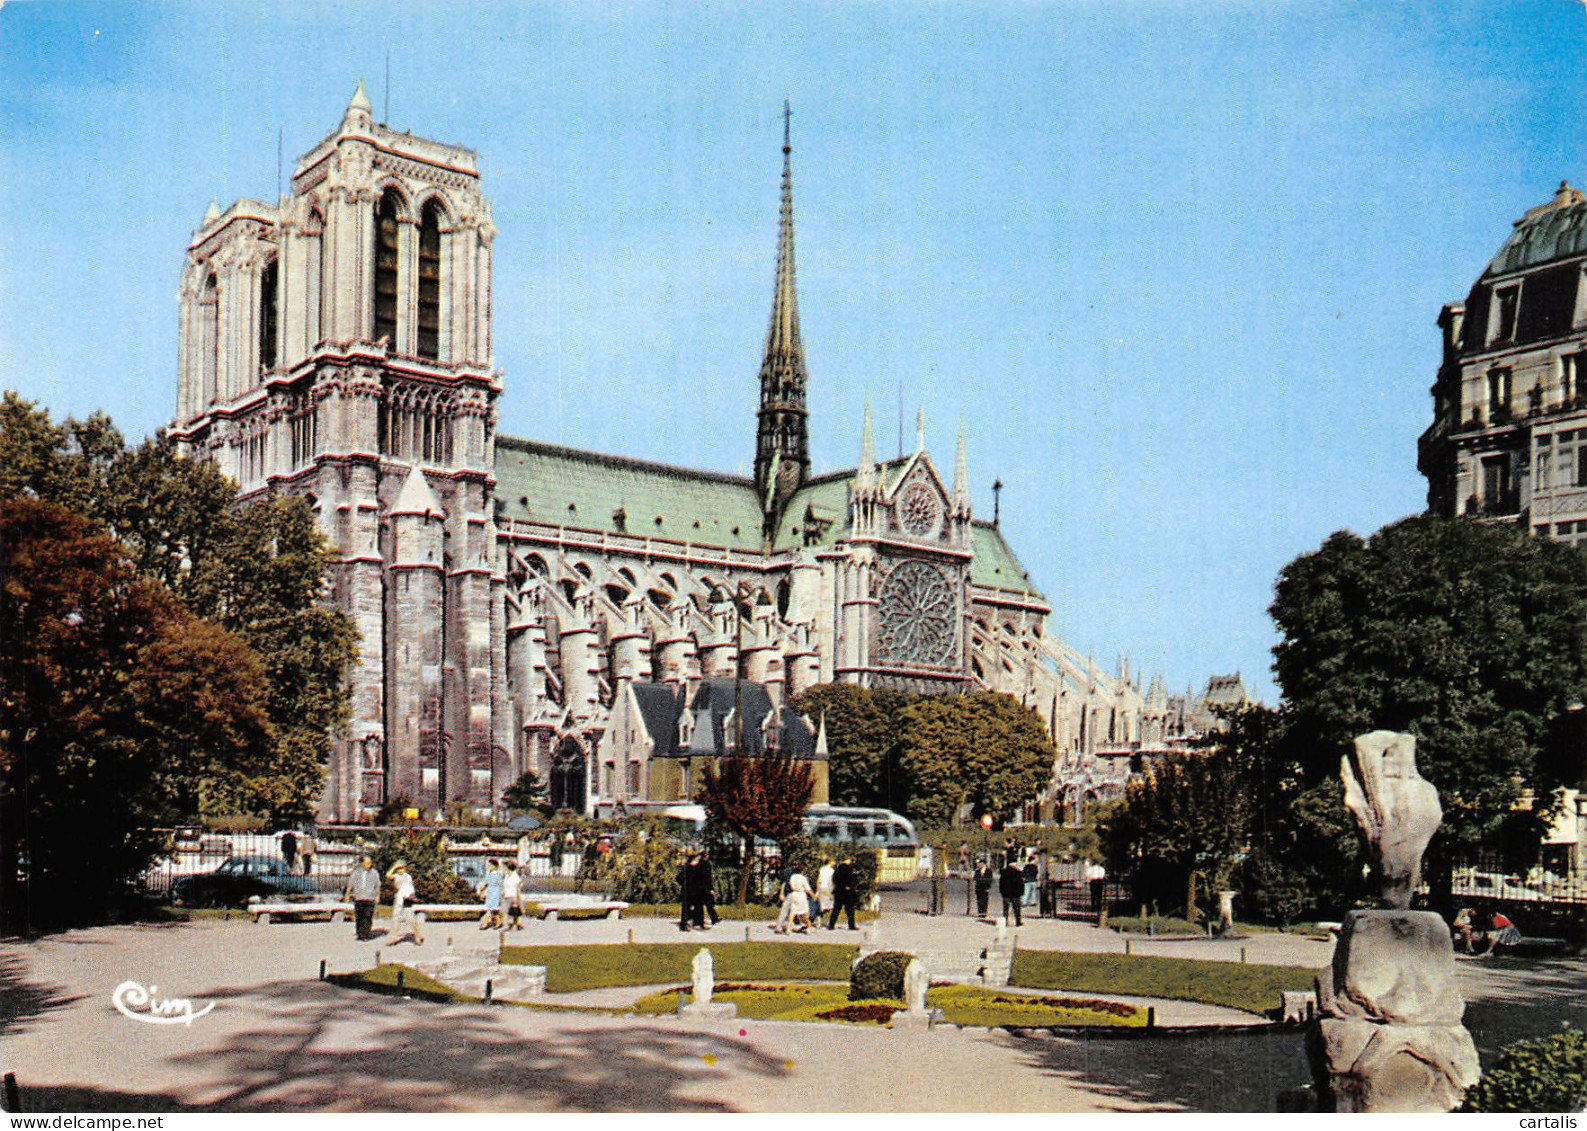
x,y
1556,229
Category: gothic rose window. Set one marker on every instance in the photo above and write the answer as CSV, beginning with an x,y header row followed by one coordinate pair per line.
x,y
918,510
919,616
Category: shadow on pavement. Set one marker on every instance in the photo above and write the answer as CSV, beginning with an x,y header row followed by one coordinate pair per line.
x,y
315,1048
22,1001
1221,1072
1518,998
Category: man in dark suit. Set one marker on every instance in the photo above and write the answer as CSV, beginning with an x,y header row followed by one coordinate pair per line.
x,y
844,894
1011,886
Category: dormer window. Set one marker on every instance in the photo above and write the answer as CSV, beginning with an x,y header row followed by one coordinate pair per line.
x,y
1506,300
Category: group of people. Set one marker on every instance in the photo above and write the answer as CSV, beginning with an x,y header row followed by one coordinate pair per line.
x,y
1500,931
835,892
1018,881
502,888
363,889
697,892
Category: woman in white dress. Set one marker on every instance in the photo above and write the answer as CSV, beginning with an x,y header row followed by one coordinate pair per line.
x,y
402,905
799,902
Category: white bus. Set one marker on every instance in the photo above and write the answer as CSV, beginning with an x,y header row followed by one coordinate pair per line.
x,y
882,829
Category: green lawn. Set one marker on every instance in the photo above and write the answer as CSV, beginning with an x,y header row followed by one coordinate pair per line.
x,y
1255,989
571,968
961,1005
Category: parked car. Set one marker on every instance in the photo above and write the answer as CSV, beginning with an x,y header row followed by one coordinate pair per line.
x,y
239,879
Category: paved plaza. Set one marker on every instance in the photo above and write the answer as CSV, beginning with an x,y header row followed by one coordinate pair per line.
x,y
278,1039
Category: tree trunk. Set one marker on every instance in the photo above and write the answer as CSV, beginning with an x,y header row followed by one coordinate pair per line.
x,y
744,871
1190,897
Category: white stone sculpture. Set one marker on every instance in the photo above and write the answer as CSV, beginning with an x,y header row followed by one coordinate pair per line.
x,y
1388,1035
704,977
1396,808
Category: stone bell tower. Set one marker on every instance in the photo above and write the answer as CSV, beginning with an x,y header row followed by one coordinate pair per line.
x,y
337,345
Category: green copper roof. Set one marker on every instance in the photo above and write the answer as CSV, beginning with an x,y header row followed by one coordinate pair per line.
x,y
994,563
1555,230
538,482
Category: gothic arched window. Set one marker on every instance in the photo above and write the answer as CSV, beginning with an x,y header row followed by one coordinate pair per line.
x,y
429,343
319,285
209,338
386,260
268,312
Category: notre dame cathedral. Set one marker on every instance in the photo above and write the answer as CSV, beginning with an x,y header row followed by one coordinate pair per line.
x,y
526,606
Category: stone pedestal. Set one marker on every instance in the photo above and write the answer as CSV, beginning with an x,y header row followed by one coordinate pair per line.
x,y
1388,1035
713,1010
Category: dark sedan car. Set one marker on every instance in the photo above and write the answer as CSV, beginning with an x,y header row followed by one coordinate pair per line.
x,y
239,879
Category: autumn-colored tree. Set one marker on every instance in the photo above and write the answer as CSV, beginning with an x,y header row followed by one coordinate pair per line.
x,y
259,571
756,797
117,708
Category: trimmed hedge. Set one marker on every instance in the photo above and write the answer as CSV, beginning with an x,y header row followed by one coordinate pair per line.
x,y
880,975
571,968
1255,989
1542,1074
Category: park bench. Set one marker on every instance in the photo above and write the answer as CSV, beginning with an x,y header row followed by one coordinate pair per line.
x,y
265,912
551,907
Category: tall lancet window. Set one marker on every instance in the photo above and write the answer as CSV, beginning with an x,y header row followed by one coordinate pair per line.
x,y
429,344
386,258
209,338
268,311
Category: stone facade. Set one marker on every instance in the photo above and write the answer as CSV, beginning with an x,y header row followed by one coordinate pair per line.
x,y
508,592
1508,440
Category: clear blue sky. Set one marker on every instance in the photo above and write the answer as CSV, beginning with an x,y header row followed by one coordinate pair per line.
x,y
1177,265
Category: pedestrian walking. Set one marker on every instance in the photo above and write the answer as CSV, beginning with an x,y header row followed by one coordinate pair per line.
x,y
363,888
844,893
1011,886
702,897
307,850
983,887
289,850
686,893
512,896
825,891
402,916
1032,876
799,903
490,887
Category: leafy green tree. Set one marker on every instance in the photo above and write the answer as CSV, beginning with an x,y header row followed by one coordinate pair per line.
x,y
117,708
863,732
525,794
1186,817
65,464
981,750
756,797
1468,636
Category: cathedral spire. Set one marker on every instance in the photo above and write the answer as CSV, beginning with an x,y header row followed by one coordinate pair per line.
x,y
782,448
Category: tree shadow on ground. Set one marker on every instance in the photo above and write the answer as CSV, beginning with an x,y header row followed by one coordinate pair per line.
x,y
317,1048
1211,1072
1512,999
22,1001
